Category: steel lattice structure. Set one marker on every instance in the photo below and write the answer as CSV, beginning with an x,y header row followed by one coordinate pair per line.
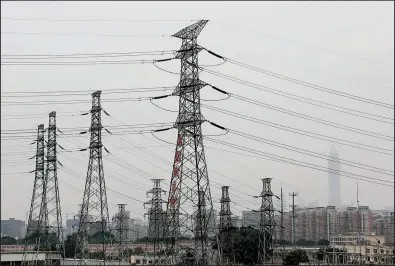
x,y
267,232
121,232
156,220
94,217
53,232
225,226
189,200
37,212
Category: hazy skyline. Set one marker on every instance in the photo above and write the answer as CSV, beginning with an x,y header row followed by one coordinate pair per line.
x,y
345,46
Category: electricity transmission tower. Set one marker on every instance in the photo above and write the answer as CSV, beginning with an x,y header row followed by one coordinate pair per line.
x,y
156,220
37,212
267,233
53,231
94,219
190,206
293,195
121,231
225,226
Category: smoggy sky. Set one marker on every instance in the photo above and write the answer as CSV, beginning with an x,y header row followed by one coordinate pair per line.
x,y
344,46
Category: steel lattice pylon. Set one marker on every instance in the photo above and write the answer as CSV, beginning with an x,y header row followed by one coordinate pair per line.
x,y
267,225
94,219
37,212
53,232
121,232
156,221
189,200
225,226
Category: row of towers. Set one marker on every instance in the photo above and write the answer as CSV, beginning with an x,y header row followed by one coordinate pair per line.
x,y
189,206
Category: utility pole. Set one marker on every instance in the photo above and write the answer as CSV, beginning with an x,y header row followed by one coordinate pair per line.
x,y
189,185
94,217
36,221
225,226
282,218
282,224
156,220
121,231
359,229
54,231
267,232
293,195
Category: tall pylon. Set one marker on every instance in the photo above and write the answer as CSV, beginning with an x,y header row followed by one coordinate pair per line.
x,y
225,226
156,221
53,231
293,225
121,232
94,217
190,204
36,223
267,232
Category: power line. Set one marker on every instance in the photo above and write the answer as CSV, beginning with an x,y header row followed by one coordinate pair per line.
x,y
310,85
303,132
98,20
295,97
82,34
314,119
315,47
77,63
293,161
312,153
85,92
82,55
166,171
73,101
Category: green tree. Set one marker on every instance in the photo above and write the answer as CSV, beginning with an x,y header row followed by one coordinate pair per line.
x,y
323,242
295,257
69,245
244,248
138,251
320,254
97,238
284,242
48,241
304,242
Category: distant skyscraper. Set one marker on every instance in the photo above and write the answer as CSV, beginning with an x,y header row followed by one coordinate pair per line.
x,y
334,179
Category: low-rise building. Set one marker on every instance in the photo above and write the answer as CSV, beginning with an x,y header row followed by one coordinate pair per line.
x,y
12,228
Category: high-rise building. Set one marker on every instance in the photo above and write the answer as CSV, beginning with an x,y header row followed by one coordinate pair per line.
x,y
139,229
300,223
366,219
334,179
389,230
12,227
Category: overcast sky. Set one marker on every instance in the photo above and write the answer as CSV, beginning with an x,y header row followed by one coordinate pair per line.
x,y
345,46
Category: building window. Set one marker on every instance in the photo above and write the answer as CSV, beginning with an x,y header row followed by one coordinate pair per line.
x,y
382,251
375,250
367,250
